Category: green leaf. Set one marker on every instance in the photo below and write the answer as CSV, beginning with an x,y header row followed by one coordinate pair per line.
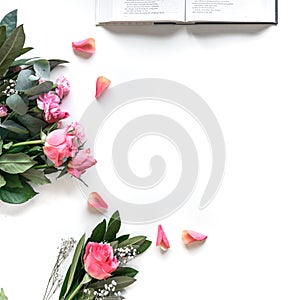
x,y
33,124
2,35
13,181
125,271
16,163
144,246
17,195
122,282
98,232
10,21
56,62
122,238
42,69
2,295
64,285
11,49
23,80
75,261
113,227
14,127
36,176
42,88
16,103
1,145
2,181
137,240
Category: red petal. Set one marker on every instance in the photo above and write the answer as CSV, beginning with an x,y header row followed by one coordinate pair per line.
x,y
96,201
102,84
190,236
85,46
162,240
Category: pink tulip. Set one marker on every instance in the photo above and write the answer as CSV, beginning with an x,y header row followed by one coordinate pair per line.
x,y
102,84
189,236
96,201
82,161
162,240
85,46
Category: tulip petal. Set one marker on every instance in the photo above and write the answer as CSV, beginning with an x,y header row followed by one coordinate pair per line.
x,y
190,236
102,83
96,201
85,46
162,240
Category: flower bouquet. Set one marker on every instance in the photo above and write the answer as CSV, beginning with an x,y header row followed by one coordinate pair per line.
x,y
33,140
98,269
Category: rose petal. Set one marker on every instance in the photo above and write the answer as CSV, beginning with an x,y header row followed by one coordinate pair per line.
x,y
189,236
102,83
85,46
96,201
162,240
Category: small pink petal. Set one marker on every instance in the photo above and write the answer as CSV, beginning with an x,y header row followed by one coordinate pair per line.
x,y
85,46
162,240
96,201
102,84
189,236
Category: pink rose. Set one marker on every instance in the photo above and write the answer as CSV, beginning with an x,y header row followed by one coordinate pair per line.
x,y
99,261
49,103
3,111
63,86
60,145
80,163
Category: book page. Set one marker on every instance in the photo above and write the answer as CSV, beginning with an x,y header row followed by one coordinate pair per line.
x,y
141,10
230,10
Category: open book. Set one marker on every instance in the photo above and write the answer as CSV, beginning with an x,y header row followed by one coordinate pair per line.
x,y
186,11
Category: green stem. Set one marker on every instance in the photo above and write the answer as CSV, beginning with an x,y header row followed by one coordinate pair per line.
x,y
45,166
35,142
85,280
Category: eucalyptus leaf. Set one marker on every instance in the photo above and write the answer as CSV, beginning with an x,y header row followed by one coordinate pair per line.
x,y
2,181
42,69
42,88
55,62
11,49
12,126
2,35
17,195
36,176
15,163
23,80
33,124
16,104
10,21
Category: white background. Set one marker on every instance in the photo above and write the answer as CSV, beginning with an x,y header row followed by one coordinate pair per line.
x,y
249,75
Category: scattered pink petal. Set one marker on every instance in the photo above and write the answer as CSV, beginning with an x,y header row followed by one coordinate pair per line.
x,y
85,46
102,84
96,201
189,236
162,240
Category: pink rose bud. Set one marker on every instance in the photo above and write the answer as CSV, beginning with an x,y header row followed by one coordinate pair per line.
x,y
162,240
96,201
99,260
102,84
85,46
189,236
81,162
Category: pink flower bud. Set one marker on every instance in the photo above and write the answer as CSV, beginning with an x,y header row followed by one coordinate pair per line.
x,y
96,201
162,240
189,236
85,46
102,83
